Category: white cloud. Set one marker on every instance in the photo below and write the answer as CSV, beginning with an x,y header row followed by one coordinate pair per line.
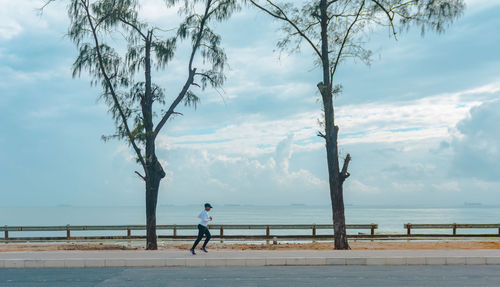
x,y
9,29
448,186
478,5
433,117
224,178
252,136
12,77
284,153
476,146
24,15
358,187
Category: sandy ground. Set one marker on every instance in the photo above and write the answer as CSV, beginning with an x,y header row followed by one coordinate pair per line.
x,y
283,246
362,245
12,247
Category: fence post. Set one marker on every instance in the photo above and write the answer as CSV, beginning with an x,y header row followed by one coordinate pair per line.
x,y
372,230
454,229
314,230
408,229
268,232
68,232
221,231
6,234
175,230
129,232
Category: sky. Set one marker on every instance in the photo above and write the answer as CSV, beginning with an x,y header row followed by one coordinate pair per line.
x,y
421,122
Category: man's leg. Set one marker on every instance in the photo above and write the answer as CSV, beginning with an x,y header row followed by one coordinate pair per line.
x,y
201,230
207,232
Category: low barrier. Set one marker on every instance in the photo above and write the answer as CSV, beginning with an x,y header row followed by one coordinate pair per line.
x,y
219,229
453,227
175,228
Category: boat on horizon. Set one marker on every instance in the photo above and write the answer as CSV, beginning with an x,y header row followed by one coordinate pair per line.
x,y
472,204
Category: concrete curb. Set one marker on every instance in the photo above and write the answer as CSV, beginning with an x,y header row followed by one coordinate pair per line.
x,y
241,262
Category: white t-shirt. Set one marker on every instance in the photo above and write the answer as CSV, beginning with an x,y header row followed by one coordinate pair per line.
x,y
204,218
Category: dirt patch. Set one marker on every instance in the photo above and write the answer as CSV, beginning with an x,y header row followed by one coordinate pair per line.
x,y
358,245
282,246
56,247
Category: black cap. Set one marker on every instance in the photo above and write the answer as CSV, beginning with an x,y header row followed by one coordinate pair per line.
x,y
208,205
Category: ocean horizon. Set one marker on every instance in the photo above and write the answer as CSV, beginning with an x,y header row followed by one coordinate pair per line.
x,y
390,219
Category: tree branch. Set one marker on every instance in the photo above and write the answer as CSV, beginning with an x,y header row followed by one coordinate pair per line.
x,y
200,34
110,86
174,104
210,78
286,19
345,40
123,20
192,73
47,2
140,175
331,2
391,18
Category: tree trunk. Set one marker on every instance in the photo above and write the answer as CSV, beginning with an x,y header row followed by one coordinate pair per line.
x,y
151,199
337,198
153,169
336,179
155,175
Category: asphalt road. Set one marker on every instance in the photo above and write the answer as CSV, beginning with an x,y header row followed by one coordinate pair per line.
x,y
372,276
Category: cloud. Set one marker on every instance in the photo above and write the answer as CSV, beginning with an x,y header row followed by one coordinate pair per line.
x,y
476,147
476,6
356,186
260,146
9,29
267,179
450,186
248,136
433,117
19,16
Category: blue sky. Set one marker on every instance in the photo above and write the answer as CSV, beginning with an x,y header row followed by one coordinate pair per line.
x,y
421,122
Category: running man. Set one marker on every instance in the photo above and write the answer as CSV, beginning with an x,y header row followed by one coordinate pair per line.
x,y
203,229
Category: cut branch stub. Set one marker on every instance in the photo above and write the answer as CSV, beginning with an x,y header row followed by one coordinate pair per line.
x,y
344,173
322,88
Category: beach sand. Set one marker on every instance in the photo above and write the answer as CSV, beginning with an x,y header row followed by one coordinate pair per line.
x,y
364,245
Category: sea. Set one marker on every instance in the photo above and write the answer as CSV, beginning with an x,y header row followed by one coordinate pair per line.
x,y
390,219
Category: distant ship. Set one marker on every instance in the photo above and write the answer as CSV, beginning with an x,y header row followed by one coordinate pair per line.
x,y
472,204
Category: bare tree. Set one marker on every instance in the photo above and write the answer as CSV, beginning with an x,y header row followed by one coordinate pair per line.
x,y
126,78
336,30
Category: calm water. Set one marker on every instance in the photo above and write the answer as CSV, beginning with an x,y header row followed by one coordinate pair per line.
x,y
389,219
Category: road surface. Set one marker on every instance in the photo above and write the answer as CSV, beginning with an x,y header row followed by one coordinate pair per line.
x,y
373,276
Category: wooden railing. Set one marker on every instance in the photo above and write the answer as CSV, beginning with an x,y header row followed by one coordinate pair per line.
x,y
175,228
266,231
452,226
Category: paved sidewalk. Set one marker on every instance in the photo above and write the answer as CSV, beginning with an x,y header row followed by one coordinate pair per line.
x,y
226,258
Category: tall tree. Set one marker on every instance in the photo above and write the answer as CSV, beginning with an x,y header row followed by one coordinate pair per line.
x,y
336,30
126,78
